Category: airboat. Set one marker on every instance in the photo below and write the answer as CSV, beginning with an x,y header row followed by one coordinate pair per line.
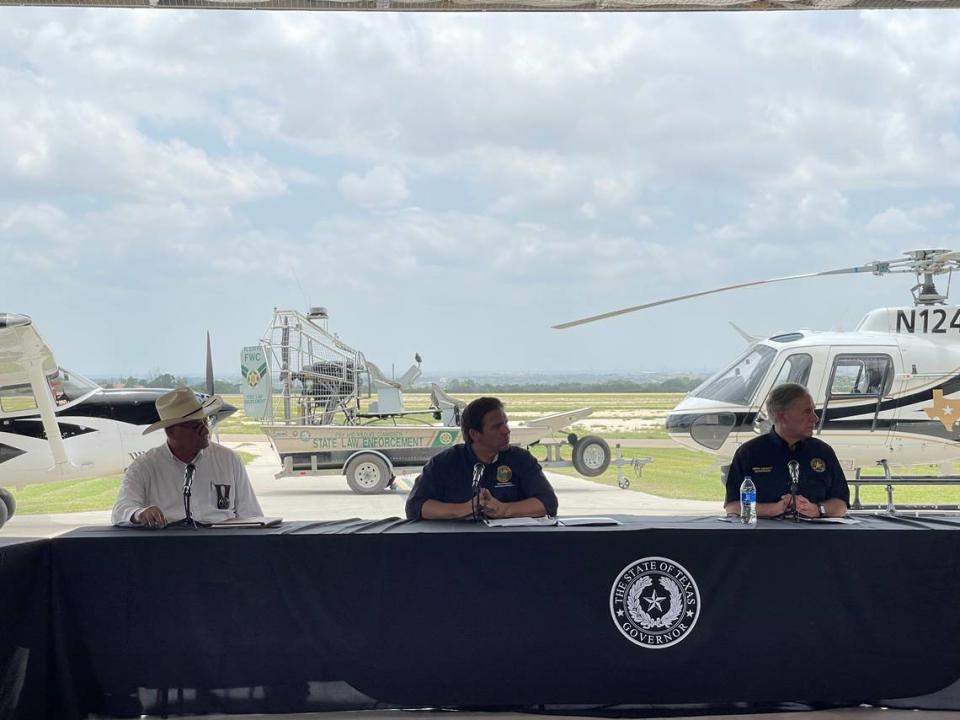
x,y
327,410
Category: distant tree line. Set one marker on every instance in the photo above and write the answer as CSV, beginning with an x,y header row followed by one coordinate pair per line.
x,y
168,380
680,383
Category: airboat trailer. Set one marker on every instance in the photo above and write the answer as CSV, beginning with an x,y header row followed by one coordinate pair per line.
x,y
371,455
322,431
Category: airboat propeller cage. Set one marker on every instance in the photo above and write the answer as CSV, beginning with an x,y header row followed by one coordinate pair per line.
x,y
318,374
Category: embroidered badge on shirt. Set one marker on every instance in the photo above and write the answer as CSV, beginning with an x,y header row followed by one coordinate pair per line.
x,y
818,465
504,474
223,497
766,469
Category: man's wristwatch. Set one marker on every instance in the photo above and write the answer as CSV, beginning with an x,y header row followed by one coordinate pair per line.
x,y
823,510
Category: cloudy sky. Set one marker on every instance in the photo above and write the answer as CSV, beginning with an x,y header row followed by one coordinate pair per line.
x,y
454,184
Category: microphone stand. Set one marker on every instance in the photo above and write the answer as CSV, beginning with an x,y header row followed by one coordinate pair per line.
x,y
188,520
475,491
793,467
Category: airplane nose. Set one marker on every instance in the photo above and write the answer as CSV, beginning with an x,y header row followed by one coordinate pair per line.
x,y
225,411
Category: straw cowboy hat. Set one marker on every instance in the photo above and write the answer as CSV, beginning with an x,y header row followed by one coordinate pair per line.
x,y
180,406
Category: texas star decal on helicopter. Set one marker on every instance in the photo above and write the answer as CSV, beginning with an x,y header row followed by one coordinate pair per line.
x,y
56,424
886,392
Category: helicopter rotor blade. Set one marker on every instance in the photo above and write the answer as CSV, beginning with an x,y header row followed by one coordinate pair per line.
x,y
878,268
947,256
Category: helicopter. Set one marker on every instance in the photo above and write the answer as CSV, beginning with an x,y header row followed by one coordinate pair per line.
x,y
886,393
56,424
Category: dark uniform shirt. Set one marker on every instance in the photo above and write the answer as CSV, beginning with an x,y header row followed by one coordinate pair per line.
x,y
514,475
765,460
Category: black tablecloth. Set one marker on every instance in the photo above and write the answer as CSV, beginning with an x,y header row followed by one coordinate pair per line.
x,y
25,661
435,614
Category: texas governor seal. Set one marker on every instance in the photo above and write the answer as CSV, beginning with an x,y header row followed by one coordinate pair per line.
x,y
654,602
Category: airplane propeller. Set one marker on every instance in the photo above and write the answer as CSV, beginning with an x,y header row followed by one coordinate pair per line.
x,y
920,262
209,368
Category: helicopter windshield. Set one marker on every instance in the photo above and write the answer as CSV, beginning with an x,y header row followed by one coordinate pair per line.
x,y
738,383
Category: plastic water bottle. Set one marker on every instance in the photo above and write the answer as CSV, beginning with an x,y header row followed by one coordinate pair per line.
x,y
748,502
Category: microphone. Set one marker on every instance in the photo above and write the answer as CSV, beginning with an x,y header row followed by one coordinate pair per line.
x,y
188,478
475,490
187,491
793,467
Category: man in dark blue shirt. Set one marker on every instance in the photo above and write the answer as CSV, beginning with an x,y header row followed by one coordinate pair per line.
x,y
823,490
512,483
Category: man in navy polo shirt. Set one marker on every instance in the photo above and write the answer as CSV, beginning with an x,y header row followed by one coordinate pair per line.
x,y
512,483
823,490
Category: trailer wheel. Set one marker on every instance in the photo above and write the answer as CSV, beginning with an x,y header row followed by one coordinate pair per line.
x,y
367,474
591,456
10,501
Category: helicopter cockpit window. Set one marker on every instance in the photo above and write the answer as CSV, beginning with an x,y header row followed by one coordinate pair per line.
x,y
862,375
17,398
738,383
796,369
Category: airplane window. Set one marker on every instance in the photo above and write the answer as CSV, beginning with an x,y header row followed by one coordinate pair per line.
x,y
16,398
67,386
738,383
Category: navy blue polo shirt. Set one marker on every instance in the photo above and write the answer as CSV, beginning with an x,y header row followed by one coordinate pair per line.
x,y
765,460
514,475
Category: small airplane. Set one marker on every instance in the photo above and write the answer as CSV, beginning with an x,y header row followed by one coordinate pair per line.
x,y
887,392
56,424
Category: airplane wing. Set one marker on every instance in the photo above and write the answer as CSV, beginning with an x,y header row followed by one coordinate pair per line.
x,y
27,361
20,343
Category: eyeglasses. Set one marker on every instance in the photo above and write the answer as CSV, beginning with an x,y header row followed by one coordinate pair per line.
x,y
195,425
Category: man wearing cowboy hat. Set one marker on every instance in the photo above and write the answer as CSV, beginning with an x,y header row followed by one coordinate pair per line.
x,y
151,494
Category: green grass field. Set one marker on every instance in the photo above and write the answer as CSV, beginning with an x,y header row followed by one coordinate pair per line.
x,y
688,475
674,473
75,495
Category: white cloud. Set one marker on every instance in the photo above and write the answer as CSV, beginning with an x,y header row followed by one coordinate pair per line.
x,y
892,220
903,221
380,187
570,161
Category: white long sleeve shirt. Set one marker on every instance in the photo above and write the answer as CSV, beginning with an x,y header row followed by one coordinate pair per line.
x,y
221,487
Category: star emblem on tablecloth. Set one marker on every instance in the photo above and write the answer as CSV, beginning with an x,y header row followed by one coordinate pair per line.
x,y
655,601
944,410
